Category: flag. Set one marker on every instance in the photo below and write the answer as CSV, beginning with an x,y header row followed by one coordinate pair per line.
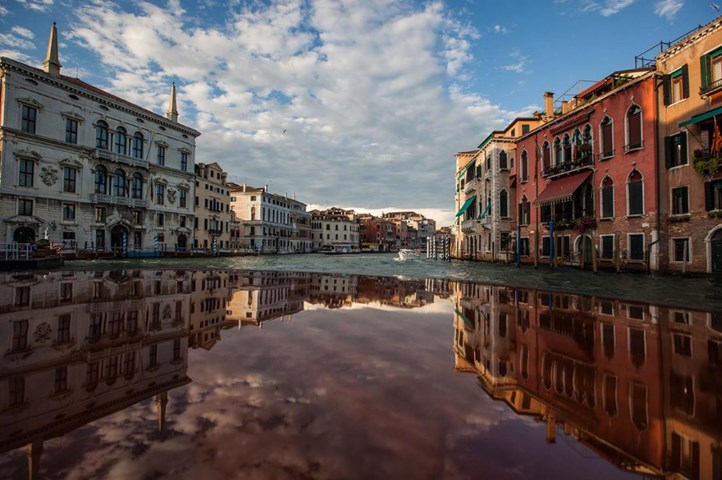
x,y
716,140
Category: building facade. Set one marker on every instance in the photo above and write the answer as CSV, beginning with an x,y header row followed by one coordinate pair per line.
x,y
690,183
84,168
335,230
213,217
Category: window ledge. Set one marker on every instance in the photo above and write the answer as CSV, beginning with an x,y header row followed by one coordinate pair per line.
x,y
680,217
677,167
677,102
635,215
606,219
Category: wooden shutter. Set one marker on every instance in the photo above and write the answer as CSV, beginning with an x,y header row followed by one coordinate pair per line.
x,y
683,157
667,88
668,152
708,196
704,68
685,81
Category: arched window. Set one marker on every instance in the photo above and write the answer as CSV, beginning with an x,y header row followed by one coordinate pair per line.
x,y
136,186
524,167
101,135
503,161
546,156
119,183
606,146
524,211
138,145
121,141
503,204
635,193
607,198
576,143
567,149
557,151
101,179
634,128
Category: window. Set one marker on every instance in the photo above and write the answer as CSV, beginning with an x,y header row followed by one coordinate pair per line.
x,y
636,246
69,179
71,131
61,379
607,198
524,167
503,204
675,150
503,164
121,141
680,203
160,193
101,179
713,195
524,211
176,349
711,66
635,193
606,148
638,401
184,164
119,183
634,128
63,333
137,145
136,186
137,217
557,151
161,155
29,118
25,207
26,172
610,395
681,249
16,391
524,128
546,156
100,213
545,247
101,135
153,356
20,335
66,292
567,149
160,219
68,211
607,246
182,197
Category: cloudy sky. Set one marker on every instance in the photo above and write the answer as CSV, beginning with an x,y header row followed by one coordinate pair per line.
x,y
353,103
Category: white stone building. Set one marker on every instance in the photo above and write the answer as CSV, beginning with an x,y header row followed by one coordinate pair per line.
x,y
335,230
83,167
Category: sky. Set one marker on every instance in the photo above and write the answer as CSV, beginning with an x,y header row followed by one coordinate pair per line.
x,y
351,103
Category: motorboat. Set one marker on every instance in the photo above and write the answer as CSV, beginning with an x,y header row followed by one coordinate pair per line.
x,y
408,254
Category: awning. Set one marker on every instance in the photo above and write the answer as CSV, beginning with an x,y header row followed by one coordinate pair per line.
x,y
485,212
562,189
467,322
701,117
463,170
466,204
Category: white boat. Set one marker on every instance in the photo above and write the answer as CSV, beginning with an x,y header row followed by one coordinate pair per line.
x,y
408,254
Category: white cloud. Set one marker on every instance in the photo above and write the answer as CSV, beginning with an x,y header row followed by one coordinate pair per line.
x,y
520,64
614,6
3,11
668,8
36,5
15,40
23,32
500,29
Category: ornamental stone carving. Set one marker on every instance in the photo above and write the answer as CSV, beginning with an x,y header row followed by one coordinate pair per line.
x,y
42,333
171,195
49,175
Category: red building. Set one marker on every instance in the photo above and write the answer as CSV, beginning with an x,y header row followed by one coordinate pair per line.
x,y
589,175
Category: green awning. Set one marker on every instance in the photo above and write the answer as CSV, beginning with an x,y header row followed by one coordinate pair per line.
x,y
466,204
486,141
485,212
701,117
467,322
463,170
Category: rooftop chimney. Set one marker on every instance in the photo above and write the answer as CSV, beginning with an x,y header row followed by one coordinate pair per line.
x,y
51,64
549,103
565,107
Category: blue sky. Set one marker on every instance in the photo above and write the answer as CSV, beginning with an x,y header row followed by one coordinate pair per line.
x,y
353,103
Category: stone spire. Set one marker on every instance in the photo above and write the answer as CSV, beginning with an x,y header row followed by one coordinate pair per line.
x,y
52,63
172,113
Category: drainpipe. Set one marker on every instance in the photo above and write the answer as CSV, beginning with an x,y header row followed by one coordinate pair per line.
x,y
551,244
659,174
518,245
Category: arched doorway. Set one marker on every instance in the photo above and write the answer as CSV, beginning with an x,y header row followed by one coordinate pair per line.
x,y
118,235
24,235
585,249
716,251
182,243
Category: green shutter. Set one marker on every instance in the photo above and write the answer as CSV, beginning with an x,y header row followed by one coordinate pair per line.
x,y
704,67
668,152
685,81
684,157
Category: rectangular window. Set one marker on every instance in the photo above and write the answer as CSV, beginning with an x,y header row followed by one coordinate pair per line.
x,y
66,292
682,344
636,246
100,214
68,211
16,391
681,249
161,155
176,349
183,198
524,128
160,220
69,179
71,131
607,247
160,193
61,379
184,163
713,195
676,150
20,335
680,204
25,207
636,198
22,296
26,172
153,356
63,334
546,243
29,118
137,217
608,201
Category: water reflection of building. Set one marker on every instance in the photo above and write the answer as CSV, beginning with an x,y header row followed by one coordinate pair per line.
x,y
81,345
333,290
261,296
640,385
210,294
393,292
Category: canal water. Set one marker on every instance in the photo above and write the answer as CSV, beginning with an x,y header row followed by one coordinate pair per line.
x,y
433,370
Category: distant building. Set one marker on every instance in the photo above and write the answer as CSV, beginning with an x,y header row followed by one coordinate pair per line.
x,y
335,230
375,233
212,227
85,168
424,227
270,223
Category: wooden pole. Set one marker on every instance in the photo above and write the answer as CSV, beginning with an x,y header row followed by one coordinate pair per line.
x,y
536,250
594,255
583,241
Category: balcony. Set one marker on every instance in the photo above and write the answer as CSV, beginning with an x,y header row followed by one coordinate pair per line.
x,y
710,88
101,154
470,186
125,201
584,161
215,231
468,226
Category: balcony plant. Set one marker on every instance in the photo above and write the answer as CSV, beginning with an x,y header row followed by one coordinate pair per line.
x,y
705,163
585,223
